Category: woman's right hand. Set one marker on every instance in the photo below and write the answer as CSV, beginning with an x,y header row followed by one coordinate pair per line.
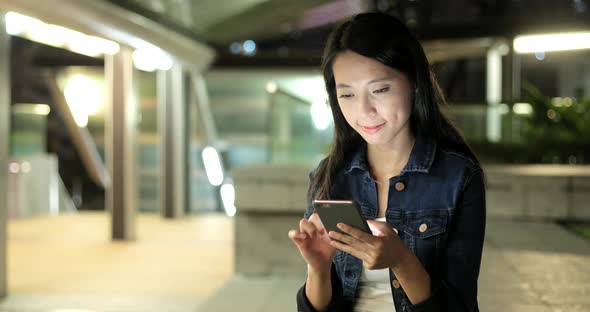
x,y
314,243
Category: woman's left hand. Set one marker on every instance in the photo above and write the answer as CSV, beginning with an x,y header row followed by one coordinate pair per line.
x,y
382,250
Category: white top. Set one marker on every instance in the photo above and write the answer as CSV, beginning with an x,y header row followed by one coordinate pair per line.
x,y
374,290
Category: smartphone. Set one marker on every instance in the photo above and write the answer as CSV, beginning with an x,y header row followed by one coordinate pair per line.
x,y
332,212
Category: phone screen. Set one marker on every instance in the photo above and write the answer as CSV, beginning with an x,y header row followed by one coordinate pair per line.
x,y
332,212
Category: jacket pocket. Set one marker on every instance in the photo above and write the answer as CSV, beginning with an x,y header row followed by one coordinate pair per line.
x,y
425,234
427,224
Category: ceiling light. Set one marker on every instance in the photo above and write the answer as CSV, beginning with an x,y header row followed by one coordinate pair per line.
x,y
552,42
58,36
149,58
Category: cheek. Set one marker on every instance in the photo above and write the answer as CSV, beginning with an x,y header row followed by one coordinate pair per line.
x,y
348,114
405,110
397,109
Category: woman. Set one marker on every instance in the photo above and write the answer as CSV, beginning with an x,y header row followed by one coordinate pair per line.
x,y
417,182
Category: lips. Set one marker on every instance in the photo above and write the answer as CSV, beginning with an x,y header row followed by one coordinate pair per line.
x,y
373,129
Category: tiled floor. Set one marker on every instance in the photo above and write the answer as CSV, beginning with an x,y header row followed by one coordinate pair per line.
x,y
69,264
526,267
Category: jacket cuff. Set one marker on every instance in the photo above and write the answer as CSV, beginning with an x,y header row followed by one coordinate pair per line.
x,y
303,304
432,303
337,303
427,305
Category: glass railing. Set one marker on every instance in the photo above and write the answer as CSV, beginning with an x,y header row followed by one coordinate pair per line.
x,y
294,137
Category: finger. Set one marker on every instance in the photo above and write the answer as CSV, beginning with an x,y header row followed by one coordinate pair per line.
x,y
349,240
297,236
395,230
314,216
356,233
316,220
344,238
348,249
308,227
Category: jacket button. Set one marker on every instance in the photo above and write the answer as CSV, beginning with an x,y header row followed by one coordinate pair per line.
x,y
423,227
395,284
399,186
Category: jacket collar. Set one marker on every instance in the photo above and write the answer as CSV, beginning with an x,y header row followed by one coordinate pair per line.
x,y
421,157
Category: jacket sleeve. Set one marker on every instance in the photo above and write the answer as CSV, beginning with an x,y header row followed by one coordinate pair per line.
x,y
456,289
337,304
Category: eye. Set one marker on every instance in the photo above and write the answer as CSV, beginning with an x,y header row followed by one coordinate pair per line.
x,y
382,90
345,96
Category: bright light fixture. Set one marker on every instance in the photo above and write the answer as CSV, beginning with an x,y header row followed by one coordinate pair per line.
x,y
18,24
149,58
228,197
52,35
235,48
552,42
58,36
35,109
320,114
212,164
502,108
522,108
271,87
84,97
93,46
26,167
249,47
562,101
14,167
42,109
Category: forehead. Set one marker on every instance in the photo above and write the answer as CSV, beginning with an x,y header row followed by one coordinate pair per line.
x,y
349,66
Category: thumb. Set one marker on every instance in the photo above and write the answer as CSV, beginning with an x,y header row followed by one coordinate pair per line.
x,y
379,228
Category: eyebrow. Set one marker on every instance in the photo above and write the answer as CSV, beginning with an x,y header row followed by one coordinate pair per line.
x,y
343,85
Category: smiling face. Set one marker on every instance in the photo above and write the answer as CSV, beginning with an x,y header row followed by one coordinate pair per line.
x,y
375,99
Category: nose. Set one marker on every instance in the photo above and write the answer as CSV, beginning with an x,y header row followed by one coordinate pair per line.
x,y
365,105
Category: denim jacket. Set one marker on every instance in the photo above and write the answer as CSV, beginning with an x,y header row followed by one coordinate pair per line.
x,y
437,204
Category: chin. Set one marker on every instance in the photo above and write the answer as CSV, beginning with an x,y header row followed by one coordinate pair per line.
x,y
375,141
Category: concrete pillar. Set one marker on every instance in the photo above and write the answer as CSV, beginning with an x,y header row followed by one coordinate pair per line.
x,y
512,86
516,76
4,145
173,128
121,143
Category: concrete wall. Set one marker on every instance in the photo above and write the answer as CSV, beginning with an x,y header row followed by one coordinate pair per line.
x,y
549,192
271,200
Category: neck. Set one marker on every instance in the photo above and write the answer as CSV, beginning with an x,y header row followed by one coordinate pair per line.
x,y
386,161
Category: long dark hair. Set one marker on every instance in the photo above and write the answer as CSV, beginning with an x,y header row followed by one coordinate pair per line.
x,y
387,40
